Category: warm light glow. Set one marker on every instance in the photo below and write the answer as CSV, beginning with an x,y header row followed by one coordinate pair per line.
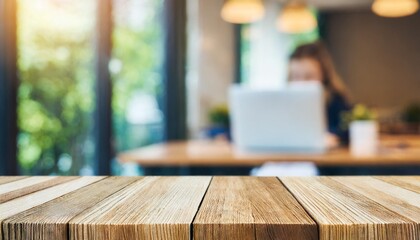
x,y
296,18
395,8
242,11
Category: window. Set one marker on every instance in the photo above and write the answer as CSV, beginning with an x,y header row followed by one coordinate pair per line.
x,y
55,97
265,50
136,71
59,98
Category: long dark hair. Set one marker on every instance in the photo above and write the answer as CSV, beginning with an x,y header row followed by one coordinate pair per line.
x,y
317,51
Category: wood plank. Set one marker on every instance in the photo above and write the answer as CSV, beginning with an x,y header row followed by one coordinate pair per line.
x,y
50,220
411,183
251,208
10,179
29,201
397,199
343,213
152,208
29,185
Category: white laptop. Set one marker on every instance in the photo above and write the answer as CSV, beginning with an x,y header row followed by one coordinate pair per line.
x,y
288,120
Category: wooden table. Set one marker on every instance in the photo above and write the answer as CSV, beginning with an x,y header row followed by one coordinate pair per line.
x,y
209,208
400,151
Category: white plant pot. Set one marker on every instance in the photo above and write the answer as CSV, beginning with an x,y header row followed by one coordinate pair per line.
x,y
364,138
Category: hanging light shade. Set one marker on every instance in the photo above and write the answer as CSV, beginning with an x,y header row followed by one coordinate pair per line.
x,y
296,18
395,8
242,11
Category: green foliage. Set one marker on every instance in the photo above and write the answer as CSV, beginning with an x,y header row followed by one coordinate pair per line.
x,y
55,98
219,116
138,55
412,113
359,112
56,68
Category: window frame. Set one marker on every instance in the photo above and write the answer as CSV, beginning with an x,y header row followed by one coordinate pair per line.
x,y
175,106
174,82
8,88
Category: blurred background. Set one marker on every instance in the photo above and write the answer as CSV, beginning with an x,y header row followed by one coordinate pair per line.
x,y
87,83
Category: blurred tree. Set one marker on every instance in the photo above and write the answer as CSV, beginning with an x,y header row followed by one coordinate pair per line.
x,y
55,98
56,67
136,67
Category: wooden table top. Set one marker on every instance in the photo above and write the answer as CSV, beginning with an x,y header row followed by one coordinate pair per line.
x,y
210,208
393,151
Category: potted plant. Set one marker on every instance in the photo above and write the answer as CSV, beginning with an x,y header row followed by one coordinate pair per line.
x,y
411,117
219,122
363,129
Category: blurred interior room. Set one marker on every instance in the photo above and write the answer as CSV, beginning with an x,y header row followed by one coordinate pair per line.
x,y
209,87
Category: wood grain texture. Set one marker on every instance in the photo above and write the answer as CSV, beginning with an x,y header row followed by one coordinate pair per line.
x,y
219,153
50,220
343,213
151,208
211,208
402,201
411,183
28,185
251,208
4,180
29,201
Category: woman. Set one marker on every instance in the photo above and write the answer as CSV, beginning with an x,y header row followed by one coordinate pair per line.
x,y
312,62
